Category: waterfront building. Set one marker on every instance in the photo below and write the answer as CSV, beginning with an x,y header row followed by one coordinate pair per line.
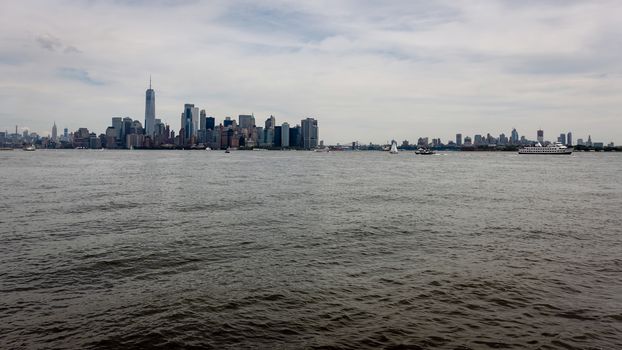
x,y
467,141
285,135
459,139
562,138
589,141
294,137
277,136
569,139
202,120
117,124
66,134
540,136
150,111
478,140
310,133
580,142
228,122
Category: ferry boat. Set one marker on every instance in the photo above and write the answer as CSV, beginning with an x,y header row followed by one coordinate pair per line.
x,y
556,148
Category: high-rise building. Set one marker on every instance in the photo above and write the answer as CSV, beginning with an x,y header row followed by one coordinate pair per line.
x,y
202,121
190,122
569,139
277,136
514,137
285,135
228,122
294,136
210,123
459,139
117,124
54,132
149,111
246,121
562,138
310,133
541,136
66,134
270,123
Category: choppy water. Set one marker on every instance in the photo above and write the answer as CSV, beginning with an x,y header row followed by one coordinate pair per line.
x,y
173,249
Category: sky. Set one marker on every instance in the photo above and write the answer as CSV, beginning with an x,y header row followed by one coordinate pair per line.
x,y
368,71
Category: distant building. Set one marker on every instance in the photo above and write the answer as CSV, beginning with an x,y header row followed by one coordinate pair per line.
x,y
459,139
569,139
246,121
278,136
310,133
295,137
514,139
540,136
150,111
227,122
562,138
190,122
54,132
285,135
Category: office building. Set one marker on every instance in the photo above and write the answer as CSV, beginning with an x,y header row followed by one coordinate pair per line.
x,y
459,139
569,139
310,133
541,136
285,135
54,132
246,121
150,111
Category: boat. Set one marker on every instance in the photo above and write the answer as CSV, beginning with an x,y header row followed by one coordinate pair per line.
x,y
393,148
324,149
228,150
30,148
424,151
556,148
208,149
6,148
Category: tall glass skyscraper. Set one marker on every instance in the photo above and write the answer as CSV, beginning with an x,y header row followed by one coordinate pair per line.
x,y
150,111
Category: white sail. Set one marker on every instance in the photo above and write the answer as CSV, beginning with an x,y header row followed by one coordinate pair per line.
x,y
393,148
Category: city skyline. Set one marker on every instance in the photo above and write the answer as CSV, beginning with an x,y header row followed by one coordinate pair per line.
x,y
416,69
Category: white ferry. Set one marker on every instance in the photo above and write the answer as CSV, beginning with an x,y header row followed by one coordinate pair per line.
x,y
556,148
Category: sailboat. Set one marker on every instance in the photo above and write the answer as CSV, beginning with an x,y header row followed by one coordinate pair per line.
x,y
393,148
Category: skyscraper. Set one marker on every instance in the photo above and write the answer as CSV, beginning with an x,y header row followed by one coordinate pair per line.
x,y
569,139
562,138
210,123
310,133
54,132
246,121
189,122
541,136
149,111
285,135
459,139
514,137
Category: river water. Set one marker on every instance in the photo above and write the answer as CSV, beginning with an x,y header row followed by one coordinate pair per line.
x,y
195,249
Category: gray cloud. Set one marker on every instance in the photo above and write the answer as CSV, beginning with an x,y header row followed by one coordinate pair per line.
x,y
49,42
79,75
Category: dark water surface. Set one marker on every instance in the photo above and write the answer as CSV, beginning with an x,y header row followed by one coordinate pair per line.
x,y
173,249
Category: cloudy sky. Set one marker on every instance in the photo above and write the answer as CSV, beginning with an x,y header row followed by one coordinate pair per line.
x,y
367,70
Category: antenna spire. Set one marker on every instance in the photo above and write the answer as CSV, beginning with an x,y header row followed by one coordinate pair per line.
x,y
150,81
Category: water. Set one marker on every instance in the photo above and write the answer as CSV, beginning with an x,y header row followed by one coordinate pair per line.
x,y
174,249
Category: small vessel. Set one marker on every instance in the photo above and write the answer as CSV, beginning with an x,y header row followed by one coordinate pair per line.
x,y
424,151
393,148
228,150
208,149
556,148
30,148
324,150
6,148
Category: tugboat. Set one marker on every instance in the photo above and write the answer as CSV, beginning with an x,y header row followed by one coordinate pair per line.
x,y
556,148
